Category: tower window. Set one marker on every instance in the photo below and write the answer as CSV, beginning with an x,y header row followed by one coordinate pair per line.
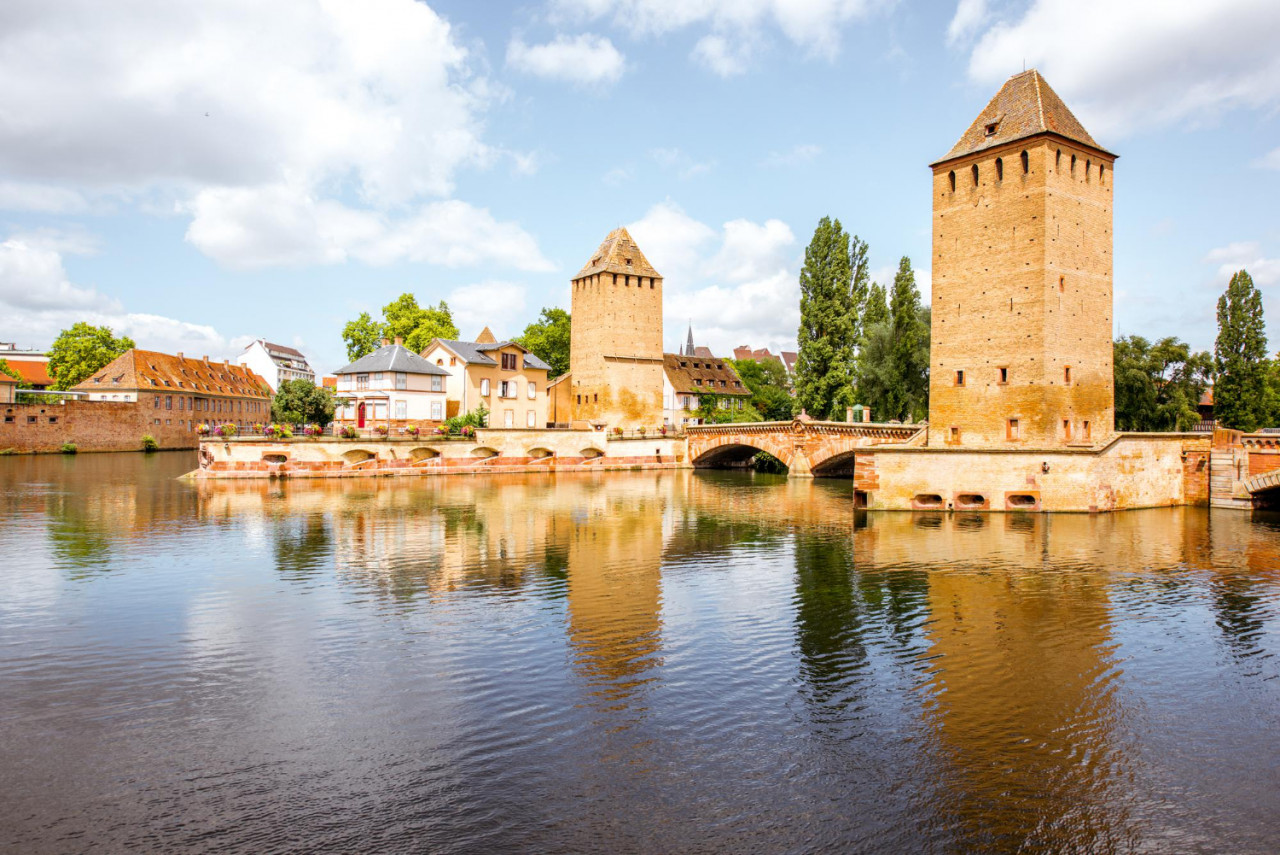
x,y
1087,165
1026,163
1057,160
1004,375
1088,433
1066,429
999,169
953,180
1073,164
615,279
955,434
1066,375
1102,173
960,378
975,175
1062,284
991,128
1012,430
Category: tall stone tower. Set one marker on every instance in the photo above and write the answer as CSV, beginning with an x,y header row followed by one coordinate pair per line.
x,y
615,358
1022,236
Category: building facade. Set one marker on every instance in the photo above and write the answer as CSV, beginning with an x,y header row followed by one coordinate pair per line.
x,y
1022,279
393,387
688,379
616,362
502,376
175,390
276,363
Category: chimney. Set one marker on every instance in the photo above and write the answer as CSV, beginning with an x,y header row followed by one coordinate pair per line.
x,y
205,357
385,342
180,356
399,340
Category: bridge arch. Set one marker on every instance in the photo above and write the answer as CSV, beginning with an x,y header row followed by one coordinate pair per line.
x,y
730,450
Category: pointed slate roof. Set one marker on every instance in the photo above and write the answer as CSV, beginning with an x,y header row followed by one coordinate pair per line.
x,y
392,357
618,254
1024,107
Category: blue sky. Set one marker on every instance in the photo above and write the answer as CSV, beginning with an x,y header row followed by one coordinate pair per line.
x,y
198,176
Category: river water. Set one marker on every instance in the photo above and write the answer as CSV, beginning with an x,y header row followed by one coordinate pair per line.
x,y
630,662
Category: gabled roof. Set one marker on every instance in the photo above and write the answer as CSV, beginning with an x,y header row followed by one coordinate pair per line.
x,y
280,348
392,357
34,372
476,353
682,371
151,371
1024,107
618,254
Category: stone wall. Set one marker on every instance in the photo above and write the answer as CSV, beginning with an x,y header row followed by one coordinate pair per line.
x,y
91,426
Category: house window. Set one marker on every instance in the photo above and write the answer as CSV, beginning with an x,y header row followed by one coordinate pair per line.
x,y
157,400
377,377
509,418
453,360
437,410
402,382
533,391
437,383
402,410
1004,375
531,418
484,388
697,382
168,402
508,362
362,382
1013,430
504,389
960,377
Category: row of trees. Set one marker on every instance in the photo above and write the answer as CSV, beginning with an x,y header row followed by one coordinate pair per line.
x,y
859,344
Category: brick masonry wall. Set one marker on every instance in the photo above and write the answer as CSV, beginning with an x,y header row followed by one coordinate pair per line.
x,y
1022,280
92,426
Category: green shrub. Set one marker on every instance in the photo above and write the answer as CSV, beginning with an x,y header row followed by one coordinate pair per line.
x,y
149,443
477,418
68,448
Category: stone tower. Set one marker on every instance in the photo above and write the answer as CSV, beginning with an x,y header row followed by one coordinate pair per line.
x,y
615,357
1021,345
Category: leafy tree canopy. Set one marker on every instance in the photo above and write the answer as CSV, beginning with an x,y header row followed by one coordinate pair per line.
x,y
767,381
302,402
1158,385
81,350
827,322
548,339
710,411
361,336
1242,394
403,318
892,367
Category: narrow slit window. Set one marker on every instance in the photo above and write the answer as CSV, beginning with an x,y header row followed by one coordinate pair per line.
x,y
1062,284
1004,375
1087,165
1066,375
999,169
960,377
952,176
1014,430
1026,163
1088,433
1057,160
1102,173
1066,429
1073,164
975,175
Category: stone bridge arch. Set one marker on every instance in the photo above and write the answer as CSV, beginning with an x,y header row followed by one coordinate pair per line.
x,y
805,446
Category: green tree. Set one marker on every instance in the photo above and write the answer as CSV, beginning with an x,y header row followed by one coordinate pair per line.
x,y
80,351
361,336
302,402
876,309
1158,385
548,339
910,345
710,411
823,370
768,384
9,370
1241,395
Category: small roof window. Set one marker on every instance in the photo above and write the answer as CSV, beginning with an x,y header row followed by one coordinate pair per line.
x,y
991,128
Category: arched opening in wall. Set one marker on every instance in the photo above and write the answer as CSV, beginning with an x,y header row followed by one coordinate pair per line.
x,y
275,458
591,453
1026,163
952,176
999,168
836,466
484,452
926,501
418,455
975,175
358,455
971,501
540,453
1022,502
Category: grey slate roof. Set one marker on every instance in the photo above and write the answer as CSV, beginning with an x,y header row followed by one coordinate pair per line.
x,y
392,357
475,353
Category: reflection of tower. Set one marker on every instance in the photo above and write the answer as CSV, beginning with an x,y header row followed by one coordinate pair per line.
x,y
616,349
615,567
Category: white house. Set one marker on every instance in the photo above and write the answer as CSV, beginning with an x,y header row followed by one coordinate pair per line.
x,y
392,386
276,363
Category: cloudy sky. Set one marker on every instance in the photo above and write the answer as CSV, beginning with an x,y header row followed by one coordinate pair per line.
x,y
198,175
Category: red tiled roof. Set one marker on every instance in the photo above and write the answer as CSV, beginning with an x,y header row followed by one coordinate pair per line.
x,y
329,382
682,371
34,372
149,371
5,378
1024,107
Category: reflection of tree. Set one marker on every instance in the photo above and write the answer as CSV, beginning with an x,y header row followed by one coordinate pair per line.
x,y
301,544
1239,606
828,619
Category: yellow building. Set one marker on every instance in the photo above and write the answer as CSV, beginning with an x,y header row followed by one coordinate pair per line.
x,y
503,376
615,362
1022,279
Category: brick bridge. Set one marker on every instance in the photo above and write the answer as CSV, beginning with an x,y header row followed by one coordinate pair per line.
x,y
1245,470
807,447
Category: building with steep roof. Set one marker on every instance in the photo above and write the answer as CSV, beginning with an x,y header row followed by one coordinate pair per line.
x,y
393,387
276,363
34,373
181,390
1021,350
687,378
616,365
502,376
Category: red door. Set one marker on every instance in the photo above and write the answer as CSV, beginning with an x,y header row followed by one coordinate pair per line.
x,y
360,415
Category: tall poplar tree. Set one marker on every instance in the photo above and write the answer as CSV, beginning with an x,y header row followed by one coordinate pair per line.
x,y
824,366
1241,398
910,344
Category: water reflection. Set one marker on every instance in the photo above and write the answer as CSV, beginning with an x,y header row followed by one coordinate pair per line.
x,y
638,662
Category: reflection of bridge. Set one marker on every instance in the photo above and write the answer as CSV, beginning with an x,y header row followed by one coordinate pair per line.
x,y
806,447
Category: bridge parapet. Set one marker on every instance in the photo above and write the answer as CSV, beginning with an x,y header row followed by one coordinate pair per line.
x,y
801,444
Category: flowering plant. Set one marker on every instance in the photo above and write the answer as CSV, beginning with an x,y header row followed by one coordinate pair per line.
x,y
663,430
228,430
313,431
349,432
468,431
277,431
641,430
441,430
617,431
204,429
413,431
380,430
258,427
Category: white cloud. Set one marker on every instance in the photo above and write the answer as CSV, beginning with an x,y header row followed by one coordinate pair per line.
x,y
969,16
735,26
493,303
738,285
361,110
1270,160
1124,66
1244,255
280,225
617,176
584,60
38,300
796,155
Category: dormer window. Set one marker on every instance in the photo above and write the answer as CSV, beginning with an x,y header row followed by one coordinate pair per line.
x,y
991,128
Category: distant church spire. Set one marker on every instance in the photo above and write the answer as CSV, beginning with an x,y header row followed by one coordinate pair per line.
x,y
688,348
